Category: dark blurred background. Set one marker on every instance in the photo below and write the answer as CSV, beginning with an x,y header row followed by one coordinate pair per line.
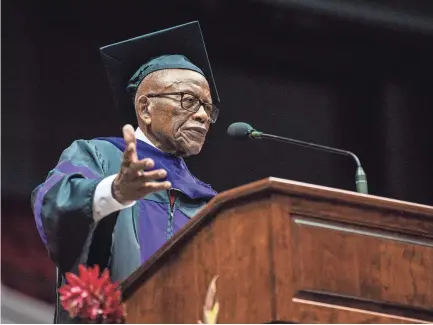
x,y
356,75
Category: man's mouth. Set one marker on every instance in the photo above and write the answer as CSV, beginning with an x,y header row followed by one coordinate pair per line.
x,y
197,131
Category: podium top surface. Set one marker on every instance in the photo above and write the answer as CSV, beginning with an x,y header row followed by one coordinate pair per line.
x,y
305,189
289,187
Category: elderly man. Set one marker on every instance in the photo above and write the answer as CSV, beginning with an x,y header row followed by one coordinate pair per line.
x,y
115,201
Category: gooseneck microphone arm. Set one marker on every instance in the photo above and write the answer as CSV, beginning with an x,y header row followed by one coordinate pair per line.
x,y
243,130
260,135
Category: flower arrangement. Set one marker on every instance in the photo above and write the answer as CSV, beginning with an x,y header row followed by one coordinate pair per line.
x,y
91,297
96,300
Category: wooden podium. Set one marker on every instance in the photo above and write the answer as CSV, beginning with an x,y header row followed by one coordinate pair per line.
x,y
291,252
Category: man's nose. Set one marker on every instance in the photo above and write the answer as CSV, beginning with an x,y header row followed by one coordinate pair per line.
x,y
201,115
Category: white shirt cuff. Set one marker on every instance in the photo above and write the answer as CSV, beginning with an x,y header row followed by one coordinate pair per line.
x,y
103,201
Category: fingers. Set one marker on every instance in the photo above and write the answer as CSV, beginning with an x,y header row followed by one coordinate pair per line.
x,y
143,164
128,134
130,154
136,181
154,175
150,187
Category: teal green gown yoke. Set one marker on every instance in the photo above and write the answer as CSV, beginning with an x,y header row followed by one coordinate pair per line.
x,y
123,240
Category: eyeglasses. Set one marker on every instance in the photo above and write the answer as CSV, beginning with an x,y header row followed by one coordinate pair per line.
x,y
192,104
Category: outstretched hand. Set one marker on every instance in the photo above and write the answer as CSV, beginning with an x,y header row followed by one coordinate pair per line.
x,y
134,180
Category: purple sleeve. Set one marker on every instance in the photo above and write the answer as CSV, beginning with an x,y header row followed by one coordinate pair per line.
x,y
62,205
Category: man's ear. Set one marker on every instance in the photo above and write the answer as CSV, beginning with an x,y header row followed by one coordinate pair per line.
x,y
142,108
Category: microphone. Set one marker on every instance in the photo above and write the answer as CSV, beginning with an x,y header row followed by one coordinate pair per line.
x,y
245,131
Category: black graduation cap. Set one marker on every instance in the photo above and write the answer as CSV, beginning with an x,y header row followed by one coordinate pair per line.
x,y
129,61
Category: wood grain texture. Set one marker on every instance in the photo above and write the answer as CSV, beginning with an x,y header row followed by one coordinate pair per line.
x,y
273,240
364,306
359,265
218,249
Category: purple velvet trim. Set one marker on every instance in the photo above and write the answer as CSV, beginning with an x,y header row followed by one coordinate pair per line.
x,y
179,221
152,226
67,167
61,170
38,203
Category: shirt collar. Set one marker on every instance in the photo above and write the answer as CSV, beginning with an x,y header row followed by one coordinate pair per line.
x,y
142,137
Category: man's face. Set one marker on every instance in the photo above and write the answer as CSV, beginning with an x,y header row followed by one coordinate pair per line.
x,y
169,126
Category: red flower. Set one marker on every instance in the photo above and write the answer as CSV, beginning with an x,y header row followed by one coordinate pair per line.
x,y
92,298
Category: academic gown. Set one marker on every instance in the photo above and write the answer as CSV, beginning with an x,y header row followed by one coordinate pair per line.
x,y
123,240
